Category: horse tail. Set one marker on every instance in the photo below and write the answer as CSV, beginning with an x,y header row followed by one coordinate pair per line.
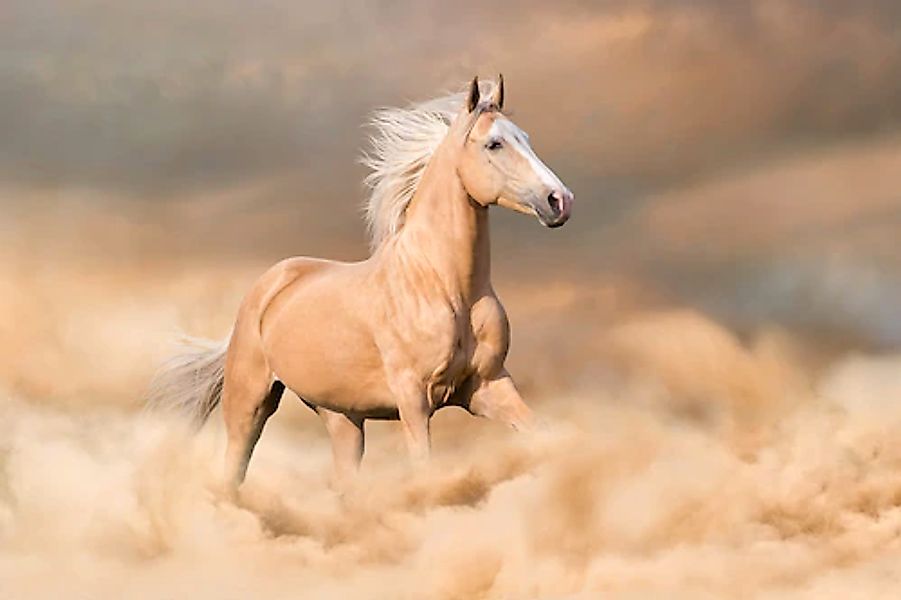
x,y
190,383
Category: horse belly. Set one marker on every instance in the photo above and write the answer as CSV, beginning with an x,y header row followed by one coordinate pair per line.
x,y
323,377
318,348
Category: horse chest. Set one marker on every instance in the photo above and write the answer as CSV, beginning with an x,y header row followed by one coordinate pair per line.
x,y
445,356
478,347
447,370
441,341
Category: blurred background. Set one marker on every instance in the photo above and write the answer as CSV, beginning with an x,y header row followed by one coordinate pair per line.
x,y
733,260
739,159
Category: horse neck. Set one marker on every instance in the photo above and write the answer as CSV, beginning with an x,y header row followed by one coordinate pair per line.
x,y
447,230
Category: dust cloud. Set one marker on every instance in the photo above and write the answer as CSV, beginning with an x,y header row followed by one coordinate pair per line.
x,y
678,459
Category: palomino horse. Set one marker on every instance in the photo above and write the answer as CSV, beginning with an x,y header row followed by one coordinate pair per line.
x,y
415,327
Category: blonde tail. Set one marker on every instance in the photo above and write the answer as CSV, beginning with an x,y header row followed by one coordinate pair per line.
x,y
190,383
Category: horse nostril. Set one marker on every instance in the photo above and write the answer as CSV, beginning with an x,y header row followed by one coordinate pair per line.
x,y
554,202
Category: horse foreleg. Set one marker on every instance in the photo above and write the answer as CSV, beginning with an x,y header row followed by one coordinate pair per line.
x,y
414,412
348,441
499,400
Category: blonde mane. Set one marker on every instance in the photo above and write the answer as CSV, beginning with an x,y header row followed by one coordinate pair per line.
x,y
403,141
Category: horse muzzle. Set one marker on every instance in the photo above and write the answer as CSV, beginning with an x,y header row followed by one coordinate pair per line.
x,y
556,208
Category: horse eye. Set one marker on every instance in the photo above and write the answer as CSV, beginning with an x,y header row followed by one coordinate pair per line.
x,y
494,145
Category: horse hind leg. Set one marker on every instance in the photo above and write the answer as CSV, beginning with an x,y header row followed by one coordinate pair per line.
x,y
347,437
247,405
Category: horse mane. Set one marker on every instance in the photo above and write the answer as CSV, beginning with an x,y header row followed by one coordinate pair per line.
x,y
403,141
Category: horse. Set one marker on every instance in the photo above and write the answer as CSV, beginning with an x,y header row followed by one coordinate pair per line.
x,y
415,327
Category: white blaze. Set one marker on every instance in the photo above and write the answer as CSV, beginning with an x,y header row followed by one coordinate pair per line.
x,y
516,139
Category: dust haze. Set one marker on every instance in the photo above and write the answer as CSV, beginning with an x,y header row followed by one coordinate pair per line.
x,y
713,341
677,459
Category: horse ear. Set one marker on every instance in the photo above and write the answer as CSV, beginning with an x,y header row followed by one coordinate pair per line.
x,y
498,97
473,99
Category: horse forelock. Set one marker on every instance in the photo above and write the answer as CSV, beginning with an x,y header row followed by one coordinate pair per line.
x,y
481,109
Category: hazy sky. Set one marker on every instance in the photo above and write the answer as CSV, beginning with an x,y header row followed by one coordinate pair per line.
x,y
743,157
